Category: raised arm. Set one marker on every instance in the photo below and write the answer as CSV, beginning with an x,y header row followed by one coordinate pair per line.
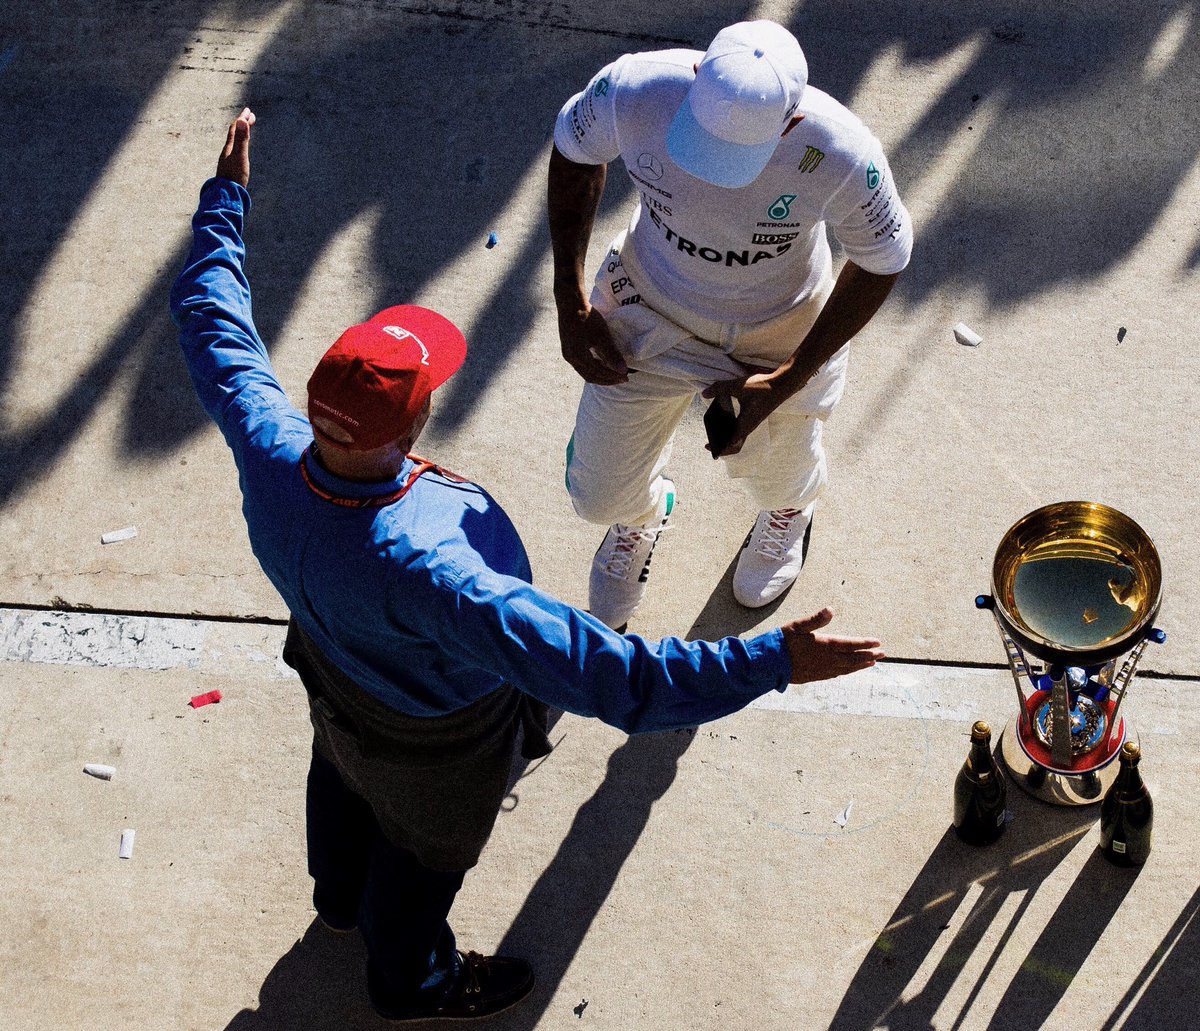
x,y
210,300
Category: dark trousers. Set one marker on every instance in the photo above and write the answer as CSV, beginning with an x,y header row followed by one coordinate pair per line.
x,y
399,808
361,878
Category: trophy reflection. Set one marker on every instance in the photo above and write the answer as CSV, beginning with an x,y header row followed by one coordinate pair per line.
x,y
1076,587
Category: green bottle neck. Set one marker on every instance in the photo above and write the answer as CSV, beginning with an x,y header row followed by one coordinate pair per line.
x,y
1129,780
980,759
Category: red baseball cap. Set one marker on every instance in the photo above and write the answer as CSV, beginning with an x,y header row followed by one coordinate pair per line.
x,y
369,387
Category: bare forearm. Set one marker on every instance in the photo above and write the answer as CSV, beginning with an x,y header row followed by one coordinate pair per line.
x,y
573,197
856,297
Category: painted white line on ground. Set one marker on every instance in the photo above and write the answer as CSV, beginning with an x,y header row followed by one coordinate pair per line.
x,y
142,642
253,649
901,692
98,639
889,690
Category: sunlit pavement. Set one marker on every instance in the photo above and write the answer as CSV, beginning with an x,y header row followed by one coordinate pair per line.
x,y
788,867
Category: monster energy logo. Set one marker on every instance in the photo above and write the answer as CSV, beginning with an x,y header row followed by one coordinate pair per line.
x,y
812,158
781,207
872,176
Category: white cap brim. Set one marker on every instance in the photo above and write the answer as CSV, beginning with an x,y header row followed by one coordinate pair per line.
x,y
698,152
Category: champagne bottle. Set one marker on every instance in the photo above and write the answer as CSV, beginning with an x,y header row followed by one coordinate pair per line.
x,y
979,792
1127,813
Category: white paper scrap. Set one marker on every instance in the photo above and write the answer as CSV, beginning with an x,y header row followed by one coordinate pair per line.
x,y
127,836
118,535
99,770
964,334
843,817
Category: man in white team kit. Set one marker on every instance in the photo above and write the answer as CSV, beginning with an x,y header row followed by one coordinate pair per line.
x,y
722,283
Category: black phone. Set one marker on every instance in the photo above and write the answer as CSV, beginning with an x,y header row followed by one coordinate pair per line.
x,y
719,422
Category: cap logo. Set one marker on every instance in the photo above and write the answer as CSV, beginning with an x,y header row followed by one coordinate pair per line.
x,y
334,411
400,333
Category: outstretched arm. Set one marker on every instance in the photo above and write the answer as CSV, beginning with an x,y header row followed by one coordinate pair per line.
x,y
573,197
857,296
569,659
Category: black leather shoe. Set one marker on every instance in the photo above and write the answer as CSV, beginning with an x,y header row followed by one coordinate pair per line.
x,y
339,919
337,926
485,985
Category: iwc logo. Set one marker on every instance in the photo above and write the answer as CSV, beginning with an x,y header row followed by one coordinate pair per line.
x,y
650,166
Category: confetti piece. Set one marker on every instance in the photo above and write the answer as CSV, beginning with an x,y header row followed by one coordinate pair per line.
x,y
493,239
1120,334
964,334
127,836
205,699
113,536
843,817
99,771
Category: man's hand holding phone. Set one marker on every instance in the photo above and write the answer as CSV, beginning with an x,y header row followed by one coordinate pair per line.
x,y
719,422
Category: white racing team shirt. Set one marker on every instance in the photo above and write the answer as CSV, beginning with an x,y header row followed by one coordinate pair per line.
x,y
743,254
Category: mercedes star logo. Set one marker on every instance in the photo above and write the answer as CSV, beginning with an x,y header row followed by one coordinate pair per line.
x,y
650,166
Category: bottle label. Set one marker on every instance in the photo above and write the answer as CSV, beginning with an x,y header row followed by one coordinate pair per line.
x,y
1118,846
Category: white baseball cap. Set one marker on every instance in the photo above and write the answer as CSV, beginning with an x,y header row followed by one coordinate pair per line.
x,y
747,88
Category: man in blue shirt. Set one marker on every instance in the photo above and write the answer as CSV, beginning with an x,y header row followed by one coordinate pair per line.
x,y
415,627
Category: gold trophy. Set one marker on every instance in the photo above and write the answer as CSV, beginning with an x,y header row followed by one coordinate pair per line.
x,y
1076,587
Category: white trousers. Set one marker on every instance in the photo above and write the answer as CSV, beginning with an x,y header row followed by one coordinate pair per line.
x,y
624,433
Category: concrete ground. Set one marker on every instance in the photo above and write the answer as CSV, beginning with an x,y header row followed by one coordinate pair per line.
x,y
1050,157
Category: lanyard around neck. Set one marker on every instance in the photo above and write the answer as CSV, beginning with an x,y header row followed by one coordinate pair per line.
x,y
377,501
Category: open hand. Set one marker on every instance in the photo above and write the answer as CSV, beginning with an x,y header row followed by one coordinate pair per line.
x,y
822,657
234,162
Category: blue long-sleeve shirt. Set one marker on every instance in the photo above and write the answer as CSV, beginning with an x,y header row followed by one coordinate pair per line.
x,y
426,603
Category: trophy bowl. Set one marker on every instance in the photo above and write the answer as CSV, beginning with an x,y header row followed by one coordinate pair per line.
x,y
1076,585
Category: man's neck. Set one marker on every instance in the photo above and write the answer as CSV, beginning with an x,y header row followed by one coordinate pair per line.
x,y
380,466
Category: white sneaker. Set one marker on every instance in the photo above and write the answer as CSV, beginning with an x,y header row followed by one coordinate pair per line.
x,y
621,566
772,555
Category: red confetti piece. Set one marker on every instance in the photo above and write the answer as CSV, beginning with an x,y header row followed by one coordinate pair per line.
x,y
205,699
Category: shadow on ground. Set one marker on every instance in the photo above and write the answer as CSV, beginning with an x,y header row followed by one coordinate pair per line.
x,y
319,983
431,118
1163,994
965,906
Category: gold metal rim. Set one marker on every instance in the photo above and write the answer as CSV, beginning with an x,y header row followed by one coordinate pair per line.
x,y
1084,530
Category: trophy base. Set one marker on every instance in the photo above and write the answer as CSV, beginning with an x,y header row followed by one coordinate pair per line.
x,y
1053,787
